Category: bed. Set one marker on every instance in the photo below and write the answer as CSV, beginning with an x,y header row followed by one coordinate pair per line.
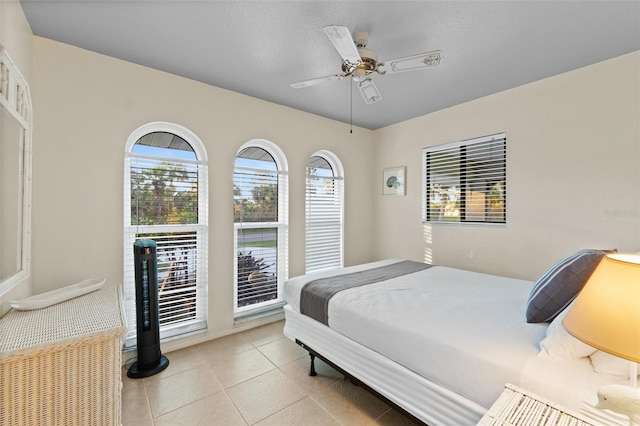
x,y
439,343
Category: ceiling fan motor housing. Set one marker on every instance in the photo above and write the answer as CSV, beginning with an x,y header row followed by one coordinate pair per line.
x,y
369,57
367,65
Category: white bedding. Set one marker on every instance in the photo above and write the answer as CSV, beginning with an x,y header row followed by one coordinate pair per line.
x,y
442,343
476,339
572,384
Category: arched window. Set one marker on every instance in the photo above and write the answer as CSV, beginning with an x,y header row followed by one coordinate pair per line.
x,y
166,200
260,194
324,212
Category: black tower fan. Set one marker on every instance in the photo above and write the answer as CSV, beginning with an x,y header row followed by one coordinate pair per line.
x,y
150,359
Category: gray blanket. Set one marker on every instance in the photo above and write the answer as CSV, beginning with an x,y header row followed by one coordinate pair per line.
x,y
315,295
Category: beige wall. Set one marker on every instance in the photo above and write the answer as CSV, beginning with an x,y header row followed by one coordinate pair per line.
x,y
16,37
87,105
573,173
573,166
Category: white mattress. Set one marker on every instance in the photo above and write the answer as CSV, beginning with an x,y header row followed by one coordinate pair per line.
x,y
462,330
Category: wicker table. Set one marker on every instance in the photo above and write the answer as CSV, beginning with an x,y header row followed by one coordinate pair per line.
x,y
61,365
516,407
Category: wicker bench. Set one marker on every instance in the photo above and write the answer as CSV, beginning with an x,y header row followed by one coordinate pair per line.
x,y
61,365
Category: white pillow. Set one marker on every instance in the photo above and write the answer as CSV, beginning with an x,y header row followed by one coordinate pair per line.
x,y
608,364
560,344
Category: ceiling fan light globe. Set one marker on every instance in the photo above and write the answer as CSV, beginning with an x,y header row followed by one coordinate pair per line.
x,y
369,91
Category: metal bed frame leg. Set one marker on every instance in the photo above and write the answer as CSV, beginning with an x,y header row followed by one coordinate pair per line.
x,y
354,380
312,370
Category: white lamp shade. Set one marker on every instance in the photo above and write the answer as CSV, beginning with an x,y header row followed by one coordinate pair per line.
x,y
606,313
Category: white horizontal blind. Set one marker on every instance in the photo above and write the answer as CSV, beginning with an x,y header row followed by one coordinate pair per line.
x,y
260,233
324,213
163,192
167,204
465,182
256,195
257,258
182,257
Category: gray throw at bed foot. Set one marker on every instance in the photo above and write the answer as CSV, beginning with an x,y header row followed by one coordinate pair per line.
x,y
315,295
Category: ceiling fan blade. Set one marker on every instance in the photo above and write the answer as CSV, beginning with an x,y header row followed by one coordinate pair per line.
x,y
343,42
414,62
369,91
314,81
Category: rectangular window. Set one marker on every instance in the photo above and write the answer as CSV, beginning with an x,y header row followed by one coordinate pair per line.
x,y
257,266
465,182
178,259
164,192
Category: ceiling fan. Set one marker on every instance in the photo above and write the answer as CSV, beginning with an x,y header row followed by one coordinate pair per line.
x,y
360,62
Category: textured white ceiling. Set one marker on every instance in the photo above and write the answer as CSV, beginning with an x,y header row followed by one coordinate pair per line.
x,y
259,47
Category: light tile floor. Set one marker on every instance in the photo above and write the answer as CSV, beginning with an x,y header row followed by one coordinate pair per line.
x,y
257,377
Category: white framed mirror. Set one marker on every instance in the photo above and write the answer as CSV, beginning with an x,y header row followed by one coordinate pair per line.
x,y
15,174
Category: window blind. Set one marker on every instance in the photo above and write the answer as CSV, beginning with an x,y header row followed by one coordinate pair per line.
x,y
167,203
324,213
182,257
255,195
257,272
163,191
259,231
465,182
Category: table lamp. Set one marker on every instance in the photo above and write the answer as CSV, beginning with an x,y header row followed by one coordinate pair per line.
x,y
606,315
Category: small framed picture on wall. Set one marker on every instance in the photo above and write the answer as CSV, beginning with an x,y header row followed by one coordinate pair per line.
x,y
393,181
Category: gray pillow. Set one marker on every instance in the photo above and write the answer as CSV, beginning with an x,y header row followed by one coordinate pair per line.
x,y
561,284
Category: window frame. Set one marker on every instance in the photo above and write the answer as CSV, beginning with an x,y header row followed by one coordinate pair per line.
x,y
201,229
338,200
16,103
462,146
282,226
